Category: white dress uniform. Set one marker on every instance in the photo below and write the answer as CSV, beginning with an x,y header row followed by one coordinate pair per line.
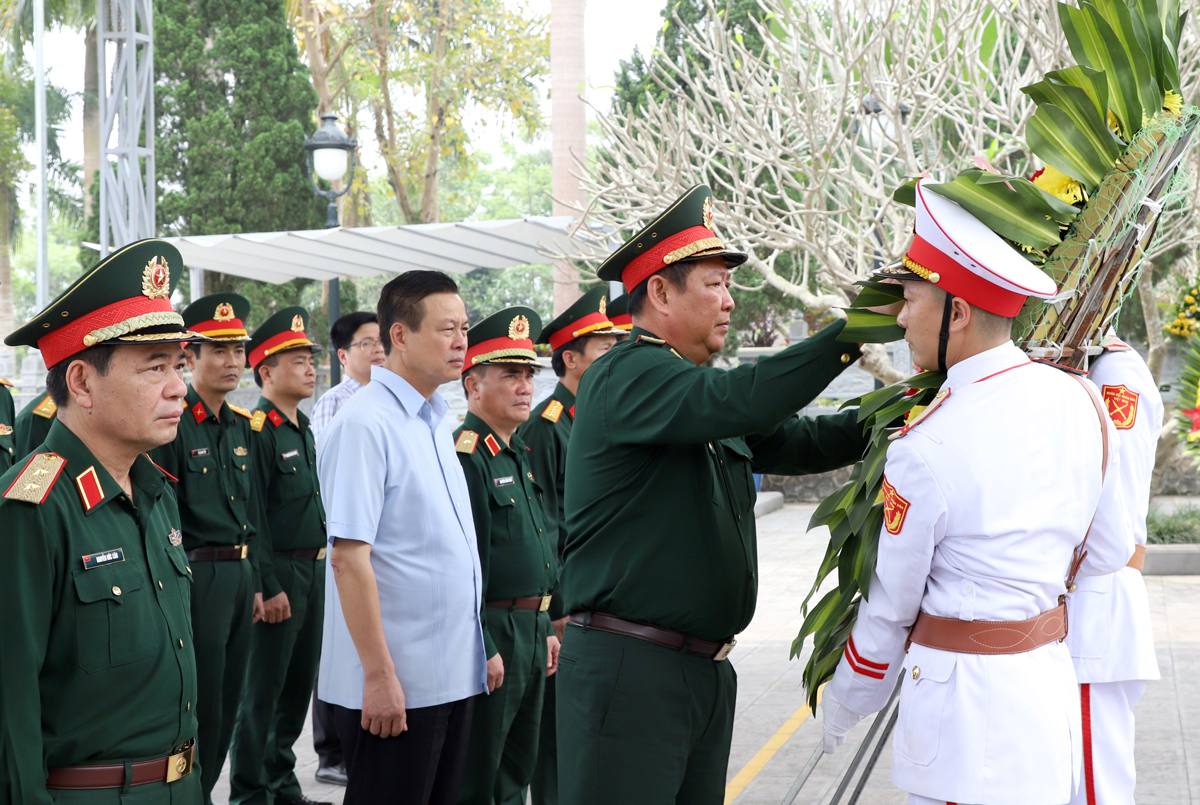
x,y
986,498
1111,639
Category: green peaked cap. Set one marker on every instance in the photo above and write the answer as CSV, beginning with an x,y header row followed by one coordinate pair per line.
x,y
506,336
683,233
123,298
587,316
285,330
618,313
220,316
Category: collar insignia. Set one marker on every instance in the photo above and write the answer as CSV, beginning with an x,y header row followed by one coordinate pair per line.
x,y
493,446
90,491
275,418
199,413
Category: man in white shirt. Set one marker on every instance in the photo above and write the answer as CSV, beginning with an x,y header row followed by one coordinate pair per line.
x,y
403,654
987,499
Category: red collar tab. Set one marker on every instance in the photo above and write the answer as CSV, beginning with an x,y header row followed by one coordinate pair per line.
x,y
199,413
492,445
571,411
90,491
275,418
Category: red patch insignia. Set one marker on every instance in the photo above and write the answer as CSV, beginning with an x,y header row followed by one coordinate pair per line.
x,y
199,413
492,445
90,492
895,508
275,418
571,411
1122,405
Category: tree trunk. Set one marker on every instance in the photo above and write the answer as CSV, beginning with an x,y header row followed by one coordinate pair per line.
x,y
91,118
435,122
1155,337
568,129
7,314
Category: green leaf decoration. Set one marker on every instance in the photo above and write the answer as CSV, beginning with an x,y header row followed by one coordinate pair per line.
x,y
1008,213
1092,82
869,327
1054,137
875,294
1094,44
906,193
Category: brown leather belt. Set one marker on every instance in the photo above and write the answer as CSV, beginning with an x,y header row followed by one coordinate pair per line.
x,y
112,775
540,603
304,553
1138,561
989,637
602,622
217,554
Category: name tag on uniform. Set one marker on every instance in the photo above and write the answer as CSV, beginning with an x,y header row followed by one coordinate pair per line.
x,y
103,558
291,454
199,451
505,481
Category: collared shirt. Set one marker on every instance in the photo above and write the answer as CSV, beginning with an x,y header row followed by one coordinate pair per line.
x,y
516,550
660,495
331,402
286,502
392,480
96,661
211,458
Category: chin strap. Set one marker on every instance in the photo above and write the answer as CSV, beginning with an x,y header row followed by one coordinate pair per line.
x,y
944,335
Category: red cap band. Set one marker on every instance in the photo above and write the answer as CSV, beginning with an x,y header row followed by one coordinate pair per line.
x,y
214,328
493,347
649,262
590,322
67,340
288,339
957,279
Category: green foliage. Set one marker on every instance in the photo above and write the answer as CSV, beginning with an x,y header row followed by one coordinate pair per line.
x,y
62,240
12,157
1181,526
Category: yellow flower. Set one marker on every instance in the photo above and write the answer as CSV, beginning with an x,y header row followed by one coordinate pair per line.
x,y
1173,102
1113,123
1189,299
1059,185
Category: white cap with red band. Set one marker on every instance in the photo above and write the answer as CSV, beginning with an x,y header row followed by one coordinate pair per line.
x,y
957,252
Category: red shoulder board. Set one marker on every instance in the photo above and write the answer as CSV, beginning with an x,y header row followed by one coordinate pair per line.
x,y
1122,403
493,446
160,469
199,413
33,483
275,418
90,491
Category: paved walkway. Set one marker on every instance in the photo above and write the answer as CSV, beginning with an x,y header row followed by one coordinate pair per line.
x,y
774,735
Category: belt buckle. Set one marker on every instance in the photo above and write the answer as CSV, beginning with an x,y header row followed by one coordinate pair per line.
x,y
321,553
545,605
180,765
725,651
245,550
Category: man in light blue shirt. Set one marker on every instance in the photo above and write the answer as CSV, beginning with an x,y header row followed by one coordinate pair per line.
x,y
403,650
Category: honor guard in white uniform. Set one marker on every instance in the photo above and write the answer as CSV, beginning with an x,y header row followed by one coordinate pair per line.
x,y
1111,639
987,497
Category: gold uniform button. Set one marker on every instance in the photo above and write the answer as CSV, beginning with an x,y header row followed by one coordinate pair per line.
x,y
203,470
845,358
189,706
116,590
243,528
160,585
181,643
916,672
231,497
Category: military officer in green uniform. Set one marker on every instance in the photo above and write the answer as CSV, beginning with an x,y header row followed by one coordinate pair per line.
x,y
32,425
211,460
289,560
580,335
97,675
517,556
8,417
660,568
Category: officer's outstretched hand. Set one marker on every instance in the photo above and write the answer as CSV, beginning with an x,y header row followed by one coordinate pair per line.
x,y
495,672
552,656
277,609
383,712
837,721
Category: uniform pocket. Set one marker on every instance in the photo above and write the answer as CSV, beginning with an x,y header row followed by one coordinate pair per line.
x,y
291,482
922,701
503,513
114,617
1089,618
737,457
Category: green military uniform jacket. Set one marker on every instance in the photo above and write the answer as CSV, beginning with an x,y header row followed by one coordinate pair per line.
x,y
546,434
96,662
287,508
516,549
659,486
33,423
8,419
211,458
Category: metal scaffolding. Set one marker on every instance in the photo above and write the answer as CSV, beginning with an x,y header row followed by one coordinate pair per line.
x,y
125,39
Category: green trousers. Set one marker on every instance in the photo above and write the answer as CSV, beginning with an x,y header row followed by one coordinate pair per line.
x,y
640,724
279,682
184,791
222,608
543,789
503,746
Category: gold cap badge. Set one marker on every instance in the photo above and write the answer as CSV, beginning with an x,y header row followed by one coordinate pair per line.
x,y
156,279
603,305
518,328
708,215
224,312
297,324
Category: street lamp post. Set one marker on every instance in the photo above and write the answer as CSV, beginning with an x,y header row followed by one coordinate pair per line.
x,y
330,151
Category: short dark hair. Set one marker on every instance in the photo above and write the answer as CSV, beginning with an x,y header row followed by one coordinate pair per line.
x,y
98,357
194,346
556,360
344,328
677,274
270,360
402,300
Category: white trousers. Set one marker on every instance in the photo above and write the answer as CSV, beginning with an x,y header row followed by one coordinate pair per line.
x,y
1108,768
916,799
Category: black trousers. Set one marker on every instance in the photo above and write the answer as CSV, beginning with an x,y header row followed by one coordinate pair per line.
x,y
421,766
325,738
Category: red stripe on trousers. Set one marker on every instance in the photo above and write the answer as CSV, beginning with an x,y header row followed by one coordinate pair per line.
x,y
1085,706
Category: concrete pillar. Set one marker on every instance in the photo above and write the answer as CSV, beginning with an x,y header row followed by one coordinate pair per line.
x,y
568,127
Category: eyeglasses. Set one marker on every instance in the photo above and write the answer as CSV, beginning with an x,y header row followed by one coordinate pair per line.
x,y
368,344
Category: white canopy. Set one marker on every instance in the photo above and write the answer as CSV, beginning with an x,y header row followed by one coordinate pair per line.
x,y
325,254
